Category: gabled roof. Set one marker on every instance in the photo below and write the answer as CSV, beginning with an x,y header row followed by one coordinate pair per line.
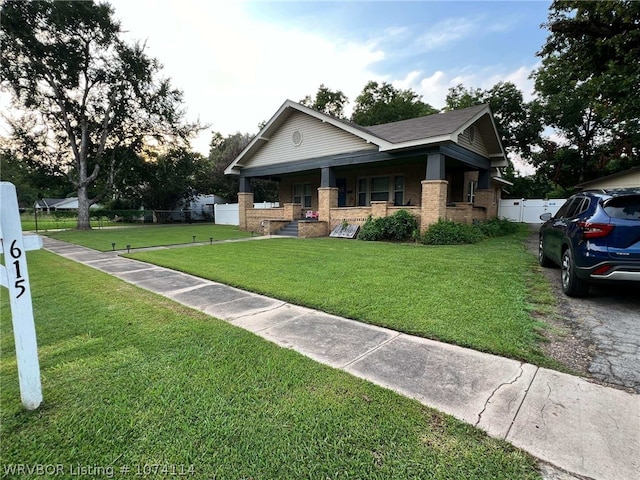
x,y
389,137
585,185
49,202
430,126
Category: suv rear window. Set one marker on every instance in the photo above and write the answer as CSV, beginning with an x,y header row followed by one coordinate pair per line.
x,y
623,207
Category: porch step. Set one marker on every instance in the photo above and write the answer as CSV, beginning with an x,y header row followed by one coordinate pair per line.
x,y
289,230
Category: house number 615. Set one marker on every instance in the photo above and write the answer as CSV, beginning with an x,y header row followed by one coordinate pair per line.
x,y
16,253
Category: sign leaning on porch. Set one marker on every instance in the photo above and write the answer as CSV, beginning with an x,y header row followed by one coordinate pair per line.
x,y
15,277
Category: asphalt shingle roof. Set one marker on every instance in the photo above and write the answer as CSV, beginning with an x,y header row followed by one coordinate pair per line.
x,y
428,126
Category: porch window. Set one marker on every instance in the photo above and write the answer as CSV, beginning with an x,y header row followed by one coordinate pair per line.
x,y
362,192
398,190
380,189
376,189
302,194
471,191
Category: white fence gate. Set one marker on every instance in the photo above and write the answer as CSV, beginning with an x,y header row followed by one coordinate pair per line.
x,y
528,210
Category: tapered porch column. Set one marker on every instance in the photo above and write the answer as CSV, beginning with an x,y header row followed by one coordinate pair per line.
x,y
245,202
434,202
327,199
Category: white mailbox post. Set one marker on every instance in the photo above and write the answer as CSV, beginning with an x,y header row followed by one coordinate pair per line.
x,y
15,276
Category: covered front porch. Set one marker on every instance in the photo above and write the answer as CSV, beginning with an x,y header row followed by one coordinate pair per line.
x,y
443,182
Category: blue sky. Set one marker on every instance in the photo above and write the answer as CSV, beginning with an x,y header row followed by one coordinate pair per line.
x,y
238,61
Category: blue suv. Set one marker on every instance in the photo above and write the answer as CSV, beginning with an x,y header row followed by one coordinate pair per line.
x,y
594,237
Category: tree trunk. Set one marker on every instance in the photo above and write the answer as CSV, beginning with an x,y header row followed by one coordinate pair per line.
x,y
84,222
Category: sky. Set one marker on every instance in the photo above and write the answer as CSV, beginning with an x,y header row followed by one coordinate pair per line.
x,y
238,61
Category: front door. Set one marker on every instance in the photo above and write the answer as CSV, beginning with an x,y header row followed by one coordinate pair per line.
x,y
341,184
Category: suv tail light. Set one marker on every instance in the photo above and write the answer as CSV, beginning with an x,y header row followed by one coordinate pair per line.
x,y
595,230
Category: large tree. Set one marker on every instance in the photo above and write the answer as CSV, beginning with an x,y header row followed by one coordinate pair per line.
x,y
92,94
383,103
588,85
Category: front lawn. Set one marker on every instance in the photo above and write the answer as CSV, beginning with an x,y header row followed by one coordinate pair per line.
x,y
149,236
134,381
479,296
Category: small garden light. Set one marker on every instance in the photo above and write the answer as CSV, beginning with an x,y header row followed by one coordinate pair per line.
x,y
128,248
210,240
194,239
113,246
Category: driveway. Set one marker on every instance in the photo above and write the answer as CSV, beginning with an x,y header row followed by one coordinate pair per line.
x,y
601,333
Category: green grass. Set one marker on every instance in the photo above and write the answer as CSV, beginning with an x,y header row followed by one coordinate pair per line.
x,y
477,296
131,378
148,236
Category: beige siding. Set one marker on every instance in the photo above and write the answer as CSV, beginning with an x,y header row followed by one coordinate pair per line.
x,y
624,181
318,140
478,146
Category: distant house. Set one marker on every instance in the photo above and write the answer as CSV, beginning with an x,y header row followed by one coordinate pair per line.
x,y
49,205
200,208
625,179
444,165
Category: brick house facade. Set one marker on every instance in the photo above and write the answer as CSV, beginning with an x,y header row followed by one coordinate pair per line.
x,y
444,165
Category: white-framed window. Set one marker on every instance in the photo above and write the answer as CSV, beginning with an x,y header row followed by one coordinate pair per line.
x,y
384,188
302,194
472,186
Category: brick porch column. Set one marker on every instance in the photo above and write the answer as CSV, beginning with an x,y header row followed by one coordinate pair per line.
x,y
434,202
380,208
245,202
292,211
327,199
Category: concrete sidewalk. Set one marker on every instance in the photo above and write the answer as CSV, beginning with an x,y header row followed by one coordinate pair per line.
x,y
582,428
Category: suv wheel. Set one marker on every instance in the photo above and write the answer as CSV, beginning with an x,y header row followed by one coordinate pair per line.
x,y
543,260
572,286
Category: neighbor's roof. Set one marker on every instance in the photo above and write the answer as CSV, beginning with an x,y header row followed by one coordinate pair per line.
x,y
585,185
415,132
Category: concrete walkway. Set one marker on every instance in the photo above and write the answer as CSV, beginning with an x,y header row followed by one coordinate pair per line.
x,y
582,428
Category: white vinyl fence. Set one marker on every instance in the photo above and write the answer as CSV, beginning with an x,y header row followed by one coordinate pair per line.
x,y
226,214
229,213
528,210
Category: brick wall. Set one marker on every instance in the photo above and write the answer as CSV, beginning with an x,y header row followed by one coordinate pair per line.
x,y
465,213
488,199
353,215
312,229
255,216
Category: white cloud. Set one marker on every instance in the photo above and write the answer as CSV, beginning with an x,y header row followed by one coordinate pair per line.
x,y
446,32
434,86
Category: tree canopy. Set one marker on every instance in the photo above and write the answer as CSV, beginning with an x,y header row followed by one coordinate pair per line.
x,y
383,103
87,93
588,85
327,101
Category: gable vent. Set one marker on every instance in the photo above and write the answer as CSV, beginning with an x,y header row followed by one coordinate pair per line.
x,y
296,138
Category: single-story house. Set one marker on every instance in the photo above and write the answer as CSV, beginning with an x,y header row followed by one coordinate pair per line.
x,y
63,204
331,171
625,179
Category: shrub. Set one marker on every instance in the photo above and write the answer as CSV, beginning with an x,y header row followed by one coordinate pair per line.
x,y
399,226
371,230
447,232
497,227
